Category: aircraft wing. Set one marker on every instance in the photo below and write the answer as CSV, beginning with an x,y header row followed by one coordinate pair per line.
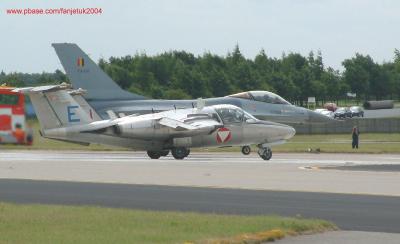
x,y
191,127
175,124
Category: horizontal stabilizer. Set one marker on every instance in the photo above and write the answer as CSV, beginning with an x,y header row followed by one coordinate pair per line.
x,y
26,90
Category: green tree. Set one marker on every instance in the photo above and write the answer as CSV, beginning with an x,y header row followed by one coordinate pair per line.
x,y
357,74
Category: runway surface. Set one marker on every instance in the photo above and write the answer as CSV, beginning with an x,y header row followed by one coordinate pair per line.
x,y
288,172
367,199
349,212
344,237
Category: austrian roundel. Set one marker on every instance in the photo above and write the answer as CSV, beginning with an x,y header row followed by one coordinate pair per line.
x,y
223,135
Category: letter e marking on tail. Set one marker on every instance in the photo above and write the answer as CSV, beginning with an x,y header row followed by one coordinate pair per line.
x,y
71,114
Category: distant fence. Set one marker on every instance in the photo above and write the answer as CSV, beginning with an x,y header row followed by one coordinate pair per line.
x,y
381,125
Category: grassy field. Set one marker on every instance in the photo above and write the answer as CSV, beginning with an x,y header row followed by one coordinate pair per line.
x,y
68,224
369,143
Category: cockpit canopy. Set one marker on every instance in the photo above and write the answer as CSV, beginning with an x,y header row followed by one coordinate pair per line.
x,y
232,114
261,96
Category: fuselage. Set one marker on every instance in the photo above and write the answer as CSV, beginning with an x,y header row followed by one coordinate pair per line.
x,y
282,113
145,131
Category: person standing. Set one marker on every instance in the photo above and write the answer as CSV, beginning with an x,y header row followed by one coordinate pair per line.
x,y
355,136
19,134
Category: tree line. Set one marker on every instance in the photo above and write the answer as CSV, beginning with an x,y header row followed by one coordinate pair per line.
x,y
180,74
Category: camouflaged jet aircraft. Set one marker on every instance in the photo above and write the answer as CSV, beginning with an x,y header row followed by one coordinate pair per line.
x,y
105,95
65,115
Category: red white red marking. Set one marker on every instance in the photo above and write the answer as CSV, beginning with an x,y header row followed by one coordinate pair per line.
x,y
223,135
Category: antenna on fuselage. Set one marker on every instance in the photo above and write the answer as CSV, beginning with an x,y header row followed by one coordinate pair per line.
x,y
200,103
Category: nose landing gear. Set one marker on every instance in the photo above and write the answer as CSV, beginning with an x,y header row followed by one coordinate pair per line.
x,y
265,153
246,150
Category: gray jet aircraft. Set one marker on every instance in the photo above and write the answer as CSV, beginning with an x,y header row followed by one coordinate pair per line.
x,y
105,95
65,115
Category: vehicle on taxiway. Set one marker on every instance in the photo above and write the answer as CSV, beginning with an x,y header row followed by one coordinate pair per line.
x,y
357,111
342,113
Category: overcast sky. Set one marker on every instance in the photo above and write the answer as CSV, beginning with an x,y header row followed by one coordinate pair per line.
x,y
339,28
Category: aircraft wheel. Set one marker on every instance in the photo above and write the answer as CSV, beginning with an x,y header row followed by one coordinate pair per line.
x,y
180,152
164,153
265,153
246,150
187,152
154,154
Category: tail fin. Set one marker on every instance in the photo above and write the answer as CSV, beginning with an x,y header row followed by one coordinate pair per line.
x,y
77,95
55,107
86,74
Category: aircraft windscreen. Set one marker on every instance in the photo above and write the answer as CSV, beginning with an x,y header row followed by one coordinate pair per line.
x,y
248,116
268,97
243,95
261,96
215,117
230,115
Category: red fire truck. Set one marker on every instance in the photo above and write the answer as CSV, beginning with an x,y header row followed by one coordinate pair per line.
x,y
12,117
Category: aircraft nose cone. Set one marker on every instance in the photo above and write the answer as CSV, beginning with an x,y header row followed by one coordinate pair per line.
x,y
290,132
314,117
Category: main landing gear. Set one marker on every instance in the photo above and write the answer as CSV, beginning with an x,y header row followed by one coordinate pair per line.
x,y
157,154
265,153
177,152
180,152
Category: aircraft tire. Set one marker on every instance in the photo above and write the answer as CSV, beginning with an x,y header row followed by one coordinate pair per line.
x,y
179,152
154,154
187,152
164,153
246,150
265,153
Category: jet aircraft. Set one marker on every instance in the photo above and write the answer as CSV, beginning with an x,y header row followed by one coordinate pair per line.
x,y
65,115
105,95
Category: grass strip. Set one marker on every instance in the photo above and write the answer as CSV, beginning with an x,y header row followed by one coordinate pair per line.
x,y
87,224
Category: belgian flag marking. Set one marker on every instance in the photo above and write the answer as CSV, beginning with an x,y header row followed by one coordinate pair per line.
x,y
80,62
